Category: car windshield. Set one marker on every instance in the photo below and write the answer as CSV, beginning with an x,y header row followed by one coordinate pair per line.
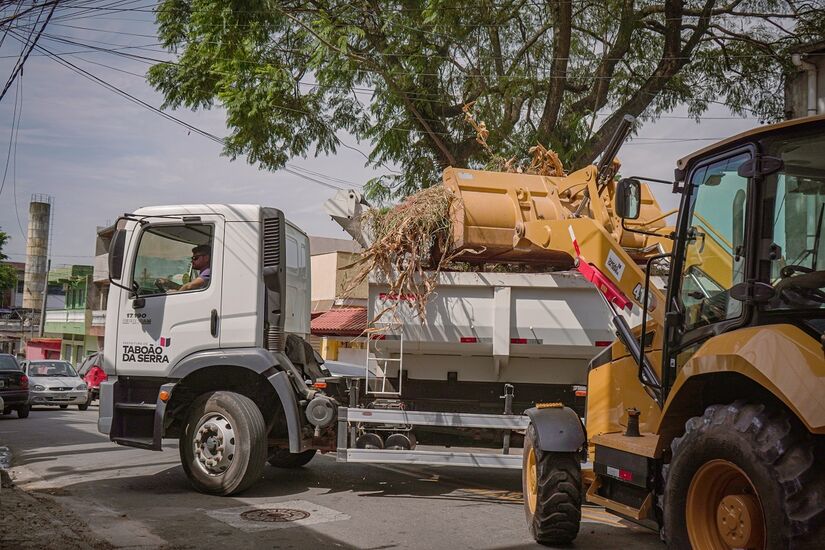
x,y
7,362
51,368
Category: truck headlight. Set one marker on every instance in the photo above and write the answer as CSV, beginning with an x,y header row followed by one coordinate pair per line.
x,y
38,387
81,386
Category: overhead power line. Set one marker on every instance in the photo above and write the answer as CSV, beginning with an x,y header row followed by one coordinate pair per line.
x,y
294,170
18,68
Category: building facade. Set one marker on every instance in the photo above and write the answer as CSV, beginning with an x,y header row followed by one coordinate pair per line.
x,y
805,85
72,323
338,306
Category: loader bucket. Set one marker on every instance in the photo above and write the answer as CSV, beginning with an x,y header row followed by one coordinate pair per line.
x,y
493,205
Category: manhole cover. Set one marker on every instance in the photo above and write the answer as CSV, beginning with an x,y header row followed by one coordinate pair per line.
x,y
275,515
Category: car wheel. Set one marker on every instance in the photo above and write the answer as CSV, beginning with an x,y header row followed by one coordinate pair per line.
x,y
223,445
282,458
83,407
23,411
64,406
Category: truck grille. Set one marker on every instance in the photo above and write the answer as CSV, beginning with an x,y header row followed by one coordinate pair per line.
x,y
272,242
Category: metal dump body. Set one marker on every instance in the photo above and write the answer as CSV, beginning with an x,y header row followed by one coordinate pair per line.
x,y
482,330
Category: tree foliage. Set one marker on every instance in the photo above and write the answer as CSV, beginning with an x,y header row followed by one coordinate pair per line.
x,y
8,276
293,75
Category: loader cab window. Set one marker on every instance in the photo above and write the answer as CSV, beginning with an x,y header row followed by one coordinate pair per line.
x,y
169,258
714,252
798,196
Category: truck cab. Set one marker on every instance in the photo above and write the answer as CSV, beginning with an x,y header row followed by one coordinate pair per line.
x,y
207,317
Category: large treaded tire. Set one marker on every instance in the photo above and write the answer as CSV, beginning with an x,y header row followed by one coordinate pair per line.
x,y
557,515
282,458
250,443
779,458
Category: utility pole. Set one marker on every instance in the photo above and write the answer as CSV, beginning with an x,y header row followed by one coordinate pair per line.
x,y
45,298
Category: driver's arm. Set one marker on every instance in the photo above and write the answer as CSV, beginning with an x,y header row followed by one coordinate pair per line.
x,y
195,283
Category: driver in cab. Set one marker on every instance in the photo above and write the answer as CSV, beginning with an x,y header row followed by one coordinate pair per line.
x,y
201,260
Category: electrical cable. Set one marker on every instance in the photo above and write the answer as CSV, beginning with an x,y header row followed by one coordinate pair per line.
x,y
11,139
130,97
19,67
14,157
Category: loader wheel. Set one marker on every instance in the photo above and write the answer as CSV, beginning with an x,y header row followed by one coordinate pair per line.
x,y
223,445
744,476
282,458
552,487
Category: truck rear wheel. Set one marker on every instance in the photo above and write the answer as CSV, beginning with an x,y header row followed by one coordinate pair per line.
x,y
743,476
223,446
552,487
282,458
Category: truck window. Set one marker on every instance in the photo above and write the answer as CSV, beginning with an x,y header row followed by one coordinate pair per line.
x,y
165,257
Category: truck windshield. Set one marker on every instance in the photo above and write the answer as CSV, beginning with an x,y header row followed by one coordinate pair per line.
x,y
798,273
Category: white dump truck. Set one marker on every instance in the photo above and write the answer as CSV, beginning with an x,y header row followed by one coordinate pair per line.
x,y
217,357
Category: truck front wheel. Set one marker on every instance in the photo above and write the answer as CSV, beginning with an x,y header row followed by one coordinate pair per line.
x,y
223,446
552,487
744,476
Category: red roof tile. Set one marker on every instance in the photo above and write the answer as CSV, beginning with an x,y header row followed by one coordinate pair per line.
x,y
345,321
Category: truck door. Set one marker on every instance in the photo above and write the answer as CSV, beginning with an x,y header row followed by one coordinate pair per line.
x,y
177,268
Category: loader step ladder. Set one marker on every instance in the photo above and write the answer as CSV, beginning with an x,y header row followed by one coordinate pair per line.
x,y
350,417
381,383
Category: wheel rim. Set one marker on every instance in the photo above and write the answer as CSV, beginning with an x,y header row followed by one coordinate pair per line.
x,y
214,444
723,509
532,480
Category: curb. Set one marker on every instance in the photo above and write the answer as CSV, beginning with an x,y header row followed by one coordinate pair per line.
x,y
5,464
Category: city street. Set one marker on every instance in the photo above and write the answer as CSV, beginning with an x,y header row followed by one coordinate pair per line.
x,y
134,498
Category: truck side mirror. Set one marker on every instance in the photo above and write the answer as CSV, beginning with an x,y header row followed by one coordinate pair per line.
x,y
628,198
116,249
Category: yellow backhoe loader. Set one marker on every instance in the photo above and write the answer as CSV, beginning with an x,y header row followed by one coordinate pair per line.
x,y
709,424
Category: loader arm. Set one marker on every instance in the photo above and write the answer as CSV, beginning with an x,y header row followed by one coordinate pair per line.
x,y
523,218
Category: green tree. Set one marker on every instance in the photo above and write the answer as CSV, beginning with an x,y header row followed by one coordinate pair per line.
x,y
293,75
8,276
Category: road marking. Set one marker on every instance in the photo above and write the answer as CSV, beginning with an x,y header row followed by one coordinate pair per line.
x,y
317,514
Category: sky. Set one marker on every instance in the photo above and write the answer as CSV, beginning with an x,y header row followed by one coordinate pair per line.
x,y
97,155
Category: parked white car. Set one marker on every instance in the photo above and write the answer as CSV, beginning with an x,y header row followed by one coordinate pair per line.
x,y
55,382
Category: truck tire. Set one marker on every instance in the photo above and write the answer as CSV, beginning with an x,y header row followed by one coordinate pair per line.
x,y
744,475
23,411
223,445
282,458
552,487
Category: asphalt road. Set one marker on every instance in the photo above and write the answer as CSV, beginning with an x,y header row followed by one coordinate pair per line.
x,y
135,498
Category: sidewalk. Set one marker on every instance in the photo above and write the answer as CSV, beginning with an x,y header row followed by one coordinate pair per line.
x,y
32,520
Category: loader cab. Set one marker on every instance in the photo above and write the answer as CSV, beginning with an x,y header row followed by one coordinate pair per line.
x,y
749,249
